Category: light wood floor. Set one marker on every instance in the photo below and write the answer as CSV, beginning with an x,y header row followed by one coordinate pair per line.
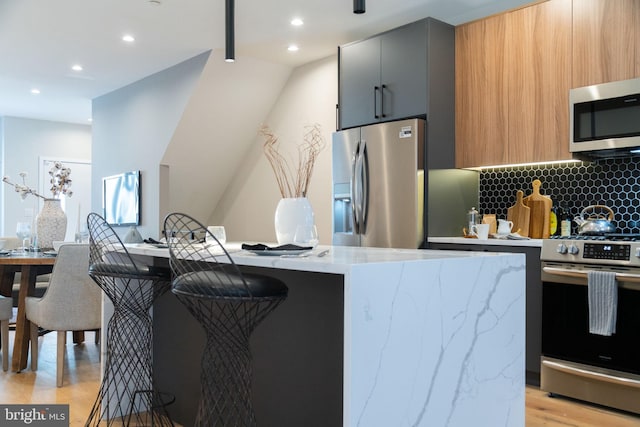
x,y
82,380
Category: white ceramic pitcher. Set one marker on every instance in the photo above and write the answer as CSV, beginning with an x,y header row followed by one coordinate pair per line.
x,y
504,226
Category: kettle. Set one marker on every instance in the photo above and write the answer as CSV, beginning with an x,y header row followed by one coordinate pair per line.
x,y
595,219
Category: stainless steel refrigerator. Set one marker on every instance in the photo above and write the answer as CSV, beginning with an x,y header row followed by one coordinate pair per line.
x,y
378,185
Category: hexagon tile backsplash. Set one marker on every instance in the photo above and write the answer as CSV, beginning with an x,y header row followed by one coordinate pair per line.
x,y
611,182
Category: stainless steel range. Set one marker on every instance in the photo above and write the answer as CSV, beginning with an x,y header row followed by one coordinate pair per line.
x,y
603,369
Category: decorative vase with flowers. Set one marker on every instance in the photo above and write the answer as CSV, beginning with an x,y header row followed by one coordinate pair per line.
x,y
293,209
51,222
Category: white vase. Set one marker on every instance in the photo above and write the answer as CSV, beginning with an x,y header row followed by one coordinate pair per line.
x,y
51,224
290,213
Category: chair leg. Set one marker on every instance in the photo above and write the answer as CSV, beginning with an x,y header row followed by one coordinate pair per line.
x,y
34,346
4,327
78,337
62,340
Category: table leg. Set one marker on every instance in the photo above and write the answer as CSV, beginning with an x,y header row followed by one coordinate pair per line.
x,y
21,342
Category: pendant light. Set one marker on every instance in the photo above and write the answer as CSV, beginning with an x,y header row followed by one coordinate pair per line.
x,y
358,6
229,53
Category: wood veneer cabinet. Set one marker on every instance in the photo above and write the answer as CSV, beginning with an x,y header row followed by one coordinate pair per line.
x,y
512,84
539,78
606,41
481,93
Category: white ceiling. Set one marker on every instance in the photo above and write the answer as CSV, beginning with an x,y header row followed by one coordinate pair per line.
x,y
41,39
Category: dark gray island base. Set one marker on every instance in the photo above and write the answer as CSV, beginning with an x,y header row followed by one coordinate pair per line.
x,y
297,354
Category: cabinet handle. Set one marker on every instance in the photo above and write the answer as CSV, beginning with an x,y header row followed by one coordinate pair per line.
x,y
375,102
382,100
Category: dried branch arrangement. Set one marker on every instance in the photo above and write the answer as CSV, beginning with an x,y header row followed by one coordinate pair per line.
x,y
60,182
293,183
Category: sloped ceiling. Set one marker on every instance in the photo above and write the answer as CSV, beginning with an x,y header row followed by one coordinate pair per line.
x,y
219,124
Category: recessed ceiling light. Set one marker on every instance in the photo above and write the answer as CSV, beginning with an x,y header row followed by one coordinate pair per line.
x,y
77,67
293,48
296,22
35,91
128,38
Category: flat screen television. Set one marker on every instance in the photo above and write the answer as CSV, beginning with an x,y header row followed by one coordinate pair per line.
x,y
121,198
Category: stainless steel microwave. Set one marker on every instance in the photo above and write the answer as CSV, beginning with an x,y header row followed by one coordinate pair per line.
x,y
605,119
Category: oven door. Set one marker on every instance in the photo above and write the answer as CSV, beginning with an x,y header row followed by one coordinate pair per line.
x,y
565,319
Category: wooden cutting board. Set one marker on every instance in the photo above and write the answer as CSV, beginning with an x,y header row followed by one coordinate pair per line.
x,y
519,214
540,208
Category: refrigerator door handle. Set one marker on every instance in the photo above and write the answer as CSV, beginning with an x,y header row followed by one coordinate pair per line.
x,y
364,184
360,193
354,190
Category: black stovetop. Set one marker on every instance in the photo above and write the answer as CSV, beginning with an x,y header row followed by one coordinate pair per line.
x,y
617,237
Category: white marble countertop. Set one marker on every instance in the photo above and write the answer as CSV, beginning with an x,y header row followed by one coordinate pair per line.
x,y
338,260
536,243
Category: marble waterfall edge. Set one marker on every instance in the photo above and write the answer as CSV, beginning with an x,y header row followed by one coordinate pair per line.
x,y
436,346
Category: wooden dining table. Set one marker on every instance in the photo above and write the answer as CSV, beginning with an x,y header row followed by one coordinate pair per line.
x,y
29,265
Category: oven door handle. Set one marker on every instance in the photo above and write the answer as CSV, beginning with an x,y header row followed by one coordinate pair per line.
x,y
589,374
582,274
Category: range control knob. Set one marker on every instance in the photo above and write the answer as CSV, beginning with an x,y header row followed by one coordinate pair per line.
x,y
573,250
562,248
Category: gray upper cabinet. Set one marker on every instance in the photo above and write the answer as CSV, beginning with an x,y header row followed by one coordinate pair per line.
x,y
359,83
403,73
384,77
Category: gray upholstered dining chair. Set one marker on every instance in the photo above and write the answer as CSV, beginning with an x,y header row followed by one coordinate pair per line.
x,y
5,316
72,302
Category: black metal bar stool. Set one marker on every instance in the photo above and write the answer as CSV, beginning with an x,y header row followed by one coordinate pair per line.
x,y
228,305
127,395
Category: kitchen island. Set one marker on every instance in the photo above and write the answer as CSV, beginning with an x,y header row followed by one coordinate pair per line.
x,y
369,337
531,249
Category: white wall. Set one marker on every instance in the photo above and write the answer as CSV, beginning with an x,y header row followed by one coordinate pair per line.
x,y
248,205
193,128
24,142
132,128
186,129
